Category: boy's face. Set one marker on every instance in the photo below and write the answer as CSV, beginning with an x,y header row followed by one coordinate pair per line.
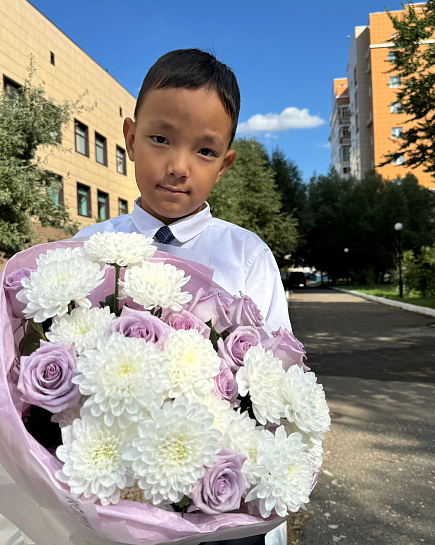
x,y
179,144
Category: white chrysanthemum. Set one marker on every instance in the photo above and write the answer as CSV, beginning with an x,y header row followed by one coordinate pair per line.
x,y
305,401
194,363
223,413
83,327
93,464
124,378
261,376
172,450
313,441
63,275
124,249
286,484
155,284
242,436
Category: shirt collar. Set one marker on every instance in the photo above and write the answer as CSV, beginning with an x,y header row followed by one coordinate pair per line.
x,y
183,229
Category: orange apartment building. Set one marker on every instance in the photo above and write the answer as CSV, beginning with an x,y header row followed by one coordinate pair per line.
x,y
374,113
98,179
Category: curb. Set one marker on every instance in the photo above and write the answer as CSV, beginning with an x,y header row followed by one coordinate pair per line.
x,y
390,302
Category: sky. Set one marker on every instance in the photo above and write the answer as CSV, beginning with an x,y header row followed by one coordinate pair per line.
x,y
284,53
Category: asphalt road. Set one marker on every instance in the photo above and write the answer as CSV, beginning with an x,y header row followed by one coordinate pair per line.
x,y
377,365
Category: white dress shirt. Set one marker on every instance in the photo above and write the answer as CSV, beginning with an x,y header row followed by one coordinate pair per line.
x,y
242,262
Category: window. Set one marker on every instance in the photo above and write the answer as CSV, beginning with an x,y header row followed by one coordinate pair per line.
x,y
395,81
120,111
121,165
346,170
122,207
81,138
84,200
100,149
399,160
357,123
396,132
355,80
345,132
103,205
52,60
11,88
345,154
391,56
396,108
56,193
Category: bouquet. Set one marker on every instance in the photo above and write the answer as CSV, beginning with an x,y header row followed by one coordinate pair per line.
x,y
142,403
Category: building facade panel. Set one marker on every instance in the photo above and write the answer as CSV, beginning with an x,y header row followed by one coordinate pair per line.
x,y
25,32
373,102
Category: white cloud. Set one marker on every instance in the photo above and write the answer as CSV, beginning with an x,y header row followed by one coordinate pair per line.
x,y
324,145
289,118
270,135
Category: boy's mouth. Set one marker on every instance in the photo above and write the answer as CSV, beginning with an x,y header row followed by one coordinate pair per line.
x,y
172,190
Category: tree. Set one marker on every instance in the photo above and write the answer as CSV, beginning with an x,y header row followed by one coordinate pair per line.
x,y
414,61
247,196
29,123
293,191
360,216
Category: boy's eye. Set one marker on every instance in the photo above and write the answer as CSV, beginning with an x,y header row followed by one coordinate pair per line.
x,y
207,152
159,139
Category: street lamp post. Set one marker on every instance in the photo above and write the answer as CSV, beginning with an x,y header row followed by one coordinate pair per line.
x,y
398,227
346,253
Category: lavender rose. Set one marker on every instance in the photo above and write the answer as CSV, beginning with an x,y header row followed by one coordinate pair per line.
x,y
141,324
222,486
214,306
287,348
235,346
45,377
225,386
12,287
186,320
243,311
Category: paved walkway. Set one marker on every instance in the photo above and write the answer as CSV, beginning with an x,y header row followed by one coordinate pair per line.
x,y
377,365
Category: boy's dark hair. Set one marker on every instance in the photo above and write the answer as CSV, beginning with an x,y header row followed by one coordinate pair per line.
x,y
192,69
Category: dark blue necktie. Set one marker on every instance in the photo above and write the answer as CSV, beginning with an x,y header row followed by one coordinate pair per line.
x,y
164,235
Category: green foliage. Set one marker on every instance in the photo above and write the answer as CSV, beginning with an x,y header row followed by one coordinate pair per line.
x,y
360,216
419,271
293,191
247,196
29,123
415,63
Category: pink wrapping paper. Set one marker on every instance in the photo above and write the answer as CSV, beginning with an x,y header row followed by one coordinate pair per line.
x,y
62,519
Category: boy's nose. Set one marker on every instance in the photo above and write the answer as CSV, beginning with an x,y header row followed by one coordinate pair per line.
x,y
178,165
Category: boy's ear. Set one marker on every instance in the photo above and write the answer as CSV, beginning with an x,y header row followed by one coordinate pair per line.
x,y
227,162
129,129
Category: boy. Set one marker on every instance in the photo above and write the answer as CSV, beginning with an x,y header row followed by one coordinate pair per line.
x,y
184,123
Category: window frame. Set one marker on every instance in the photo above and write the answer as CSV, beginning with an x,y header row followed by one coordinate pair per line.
x,y
124,160
123,201
394,80
399,160
10,83
88,200
78,124
396,132
103,139
105,196
60,194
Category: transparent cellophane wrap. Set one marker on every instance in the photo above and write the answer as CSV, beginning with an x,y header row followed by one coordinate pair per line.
x,y
42,507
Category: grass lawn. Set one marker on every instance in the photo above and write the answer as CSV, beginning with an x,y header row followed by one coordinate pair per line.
x,y
391,291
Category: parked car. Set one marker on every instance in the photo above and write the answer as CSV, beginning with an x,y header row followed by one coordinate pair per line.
x,y
296,280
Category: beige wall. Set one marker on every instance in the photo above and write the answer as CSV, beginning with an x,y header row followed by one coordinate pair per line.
x,y
24,31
